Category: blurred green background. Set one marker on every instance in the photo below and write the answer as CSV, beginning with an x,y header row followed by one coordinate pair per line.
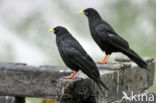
x,y
24,28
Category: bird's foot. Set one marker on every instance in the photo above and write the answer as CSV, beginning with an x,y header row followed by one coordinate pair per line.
x,y
102,62
71,76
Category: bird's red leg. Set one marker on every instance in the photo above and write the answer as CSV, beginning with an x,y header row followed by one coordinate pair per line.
x,y
102,62
72,75
105,62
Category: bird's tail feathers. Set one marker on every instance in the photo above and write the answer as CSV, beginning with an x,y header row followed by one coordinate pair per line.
x,y
100,83
135,57
100,88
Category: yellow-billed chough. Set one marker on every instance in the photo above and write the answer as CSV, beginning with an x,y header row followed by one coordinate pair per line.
x,y
107,39
75,57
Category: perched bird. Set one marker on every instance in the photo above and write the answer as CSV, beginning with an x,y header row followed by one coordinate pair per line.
x,y
107,39
75,57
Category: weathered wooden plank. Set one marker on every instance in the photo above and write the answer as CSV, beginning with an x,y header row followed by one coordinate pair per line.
x,y
119,77
17,79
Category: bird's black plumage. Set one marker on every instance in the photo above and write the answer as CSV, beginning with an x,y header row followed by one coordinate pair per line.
x,y
74,56
107,39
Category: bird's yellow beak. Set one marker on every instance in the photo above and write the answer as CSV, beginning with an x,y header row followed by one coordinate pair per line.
x,y
81,12
51,30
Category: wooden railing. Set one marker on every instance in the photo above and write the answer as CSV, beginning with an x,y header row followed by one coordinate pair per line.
x,y
19,80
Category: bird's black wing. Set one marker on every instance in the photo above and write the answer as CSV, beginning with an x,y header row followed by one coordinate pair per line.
x,y
111,37
118,44
107,27
79,57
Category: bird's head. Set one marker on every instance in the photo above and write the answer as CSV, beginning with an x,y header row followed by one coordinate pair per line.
x,y
89,12
59,30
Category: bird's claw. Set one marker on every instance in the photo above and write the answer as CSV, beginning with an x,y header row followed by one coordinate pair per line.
x,y
102,62
70,77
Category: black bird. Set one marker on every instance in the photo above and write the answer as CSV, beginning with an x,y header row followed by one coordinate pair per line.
x,y
75,57
107,39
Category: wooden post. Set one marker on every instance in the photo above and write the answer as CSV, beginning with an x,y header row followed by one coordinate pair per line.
x,y
7,99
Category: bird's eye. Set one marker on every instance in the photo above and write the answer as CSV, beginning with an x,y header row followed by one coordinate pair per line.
x,y
56,31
